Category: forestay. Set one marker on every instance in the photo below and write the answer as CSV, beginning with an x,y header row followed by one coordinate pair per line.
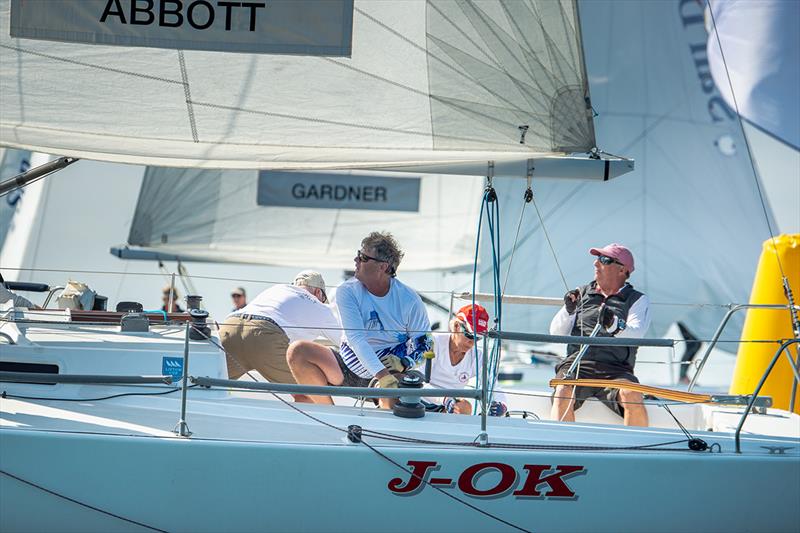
x,y
193,215
428,82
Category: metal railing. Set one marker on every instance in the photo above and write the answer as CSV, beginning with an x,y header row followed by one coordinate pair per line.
x,y
764,377
479,394
733,309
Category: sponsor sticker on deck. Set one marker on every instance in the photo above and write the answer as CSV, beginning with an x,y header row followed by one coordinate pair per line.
x,y
172,366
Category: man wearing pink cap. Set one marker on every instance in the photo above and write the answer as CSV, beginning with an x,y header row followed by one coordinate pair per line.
x,y
623,312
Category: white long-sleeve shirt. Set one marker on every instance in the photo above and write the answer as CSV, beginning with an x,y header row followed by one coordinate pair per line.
x,y
298,312
373,323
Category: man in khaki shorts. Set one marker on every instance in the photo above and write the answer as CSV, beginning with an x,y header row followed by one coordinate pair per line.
x,y
257,336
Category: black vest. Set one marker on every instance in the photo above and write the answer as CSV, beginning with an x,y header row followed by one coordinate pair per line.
x,y
587,315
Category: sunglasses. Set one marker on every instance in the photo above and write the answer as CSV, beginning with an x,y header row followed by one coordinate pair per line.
x,y
604,259
467,334
364,258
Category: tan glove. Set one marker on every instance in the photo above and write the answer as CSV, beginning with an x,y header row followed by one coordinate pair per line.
x,y
387,382
394,363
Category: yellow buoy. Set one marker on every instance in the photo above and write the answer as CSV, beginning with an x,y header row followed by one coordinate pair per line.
x,y
761,324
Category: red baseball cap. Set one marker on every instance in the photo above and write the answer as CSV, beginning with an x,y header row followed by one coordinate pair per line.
x,y
478,314
615,251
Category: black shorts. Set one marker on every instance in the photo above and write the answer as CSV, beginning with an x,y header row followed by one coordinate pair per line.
x,y
609,396
351,379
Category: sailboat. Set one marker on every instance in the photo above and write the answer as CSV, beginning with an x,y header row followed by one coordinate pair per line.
x,y
91,440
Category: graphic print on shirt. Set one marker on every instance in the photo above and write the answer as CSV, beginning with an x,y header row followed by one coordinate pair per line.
x,y
374,321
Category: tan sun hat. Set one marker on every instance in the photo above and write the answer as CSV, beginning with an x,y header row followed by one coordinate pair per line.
x,y
310,278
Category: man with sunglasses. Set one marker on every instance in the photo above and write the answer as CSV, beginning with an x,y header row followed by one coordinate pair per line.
x,y
623,312
457,360
385,327
257,336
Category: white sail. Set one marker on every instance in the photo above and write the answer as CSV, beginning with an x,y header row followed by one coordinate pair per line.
x,y
436,83
690,212
758,62
216,216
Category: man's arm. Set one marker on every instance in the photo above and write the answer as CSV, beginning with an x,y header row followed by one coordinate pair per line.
x,y
562,323
350,315
330,327
638,319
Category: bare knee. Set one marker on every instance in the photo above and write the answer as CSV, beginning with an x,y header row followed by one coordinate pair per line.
x,y
630,399
298,352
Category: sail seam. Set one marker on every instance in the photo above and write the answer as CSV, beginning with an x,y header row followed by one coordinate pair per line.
x,y
90,65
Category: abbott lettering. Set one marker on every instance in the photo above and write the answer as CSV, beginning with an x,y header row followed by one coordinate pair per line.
x,y
199,14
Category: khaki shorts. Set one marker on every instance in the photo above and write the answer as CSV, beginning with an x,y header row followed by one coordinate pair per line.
x,y
255,344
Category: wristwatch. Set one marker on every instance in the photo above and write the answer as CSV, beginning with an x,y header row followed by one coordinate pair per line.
x,y
620,325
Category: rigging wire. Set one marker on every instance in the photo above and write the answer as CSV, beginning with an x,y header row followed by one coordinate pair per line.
x,y
550,244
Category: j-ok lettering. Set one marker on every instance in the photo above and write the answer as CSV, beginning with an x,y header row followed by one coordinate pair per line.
x,y
199,14
532,482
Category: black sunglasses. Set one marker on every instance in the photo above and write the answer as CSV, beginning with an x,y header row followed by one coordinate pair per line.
x,y
467,334
364,258
608,260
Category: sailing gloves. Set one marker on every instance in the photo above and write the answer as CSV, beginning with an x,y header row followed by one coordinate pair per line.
x,y
398,364
497,409
454,405
386,382
611,321
571,300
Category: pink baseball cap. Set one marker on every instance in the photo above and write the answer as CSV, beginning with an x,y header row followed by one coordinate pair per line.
x,y
615,251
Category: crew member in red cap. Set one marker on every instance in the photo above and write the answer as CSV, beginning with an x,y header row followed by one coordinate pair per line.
x,y
456,361
623,312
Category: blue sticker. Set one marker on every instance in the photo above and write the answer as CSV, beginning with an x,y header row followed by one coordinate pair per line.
x,y
172,366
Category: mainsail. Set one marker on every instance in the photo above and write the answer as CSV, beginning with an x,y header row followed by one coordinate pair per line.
x,y
690,212
220,216
448,85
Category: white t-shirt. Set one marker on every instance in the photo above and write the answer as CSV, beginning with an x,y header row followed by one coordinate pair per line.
x,y
446,375
298,312
372,323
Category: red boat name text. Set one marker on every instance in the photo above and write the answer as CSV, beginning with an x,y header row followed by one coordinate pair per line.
x,y
533,481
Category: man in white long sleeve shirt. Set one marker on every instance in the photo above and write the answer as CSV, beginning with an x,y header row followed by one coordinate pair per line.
x,y
257,336
384,326
623,312
457,360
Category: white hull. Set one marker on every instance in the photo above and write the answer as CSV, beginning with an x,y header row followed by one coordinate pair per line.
x,y
254,463
260,466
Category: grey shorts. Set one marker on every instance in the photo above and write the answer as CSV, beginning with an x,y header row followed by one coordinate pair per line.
x,y
351,379
609,396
